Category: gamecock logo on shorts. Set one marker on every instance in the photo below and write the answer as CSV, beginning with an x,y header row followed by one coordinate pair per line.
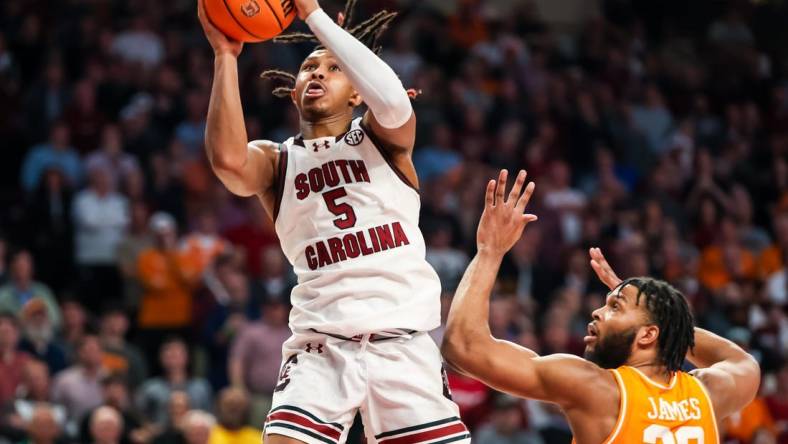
x,y
250,8
354,137
284,375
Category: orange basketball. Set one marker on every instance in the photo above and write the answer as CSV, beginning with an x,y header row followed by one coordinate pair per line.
x,y
250,20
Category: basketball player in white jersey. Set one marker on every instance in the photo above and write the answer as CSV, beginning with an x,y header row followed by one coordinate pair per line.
x,y
343,195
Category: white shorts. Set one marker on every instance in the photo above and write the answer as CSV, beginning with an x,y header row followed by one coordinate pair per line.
x,y
397,384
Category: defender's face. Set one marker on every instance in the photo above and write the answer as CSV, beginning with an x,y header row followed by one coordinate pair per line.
x,y
321,88
612,332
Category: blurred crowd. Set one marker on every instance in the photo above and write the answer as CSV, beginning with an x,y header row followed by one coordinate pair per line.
x,y
141,303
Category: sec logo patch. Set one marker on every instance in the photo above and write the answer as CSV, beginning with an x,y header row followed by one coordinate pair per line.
x,y
354,137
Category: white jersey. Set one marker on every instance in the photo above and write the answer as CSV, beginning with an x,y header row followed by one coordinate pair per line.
x,y
348,222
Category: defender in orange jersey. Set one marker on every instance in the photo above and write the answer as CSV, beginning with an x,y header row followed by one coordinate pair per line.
x,y
630,387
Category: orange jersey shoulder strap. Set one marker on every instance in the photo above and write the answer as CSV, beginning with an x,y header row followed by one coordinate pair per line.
x,y
652,413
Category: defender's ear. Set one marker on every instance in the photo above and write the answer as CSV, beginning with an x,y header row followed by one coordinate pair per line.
x,y
355,99
647,335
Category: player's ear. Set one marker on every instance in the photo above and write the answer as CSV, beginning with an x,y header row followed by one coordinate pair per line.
x,y
293,97
355,99
648,335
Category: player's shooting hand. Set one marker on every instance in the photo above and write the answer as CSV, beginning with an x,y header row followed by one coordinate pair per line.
x,y
220,43
305,7
603,269
503,221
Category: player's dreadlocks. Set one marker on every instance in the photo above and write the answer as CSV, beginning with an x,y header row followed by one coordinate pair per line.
x,y
367,32
669,310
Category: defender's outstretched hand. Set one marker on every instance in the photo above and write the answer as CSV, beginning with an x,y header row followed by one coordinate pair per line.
x,y
503,221
603,269
220,43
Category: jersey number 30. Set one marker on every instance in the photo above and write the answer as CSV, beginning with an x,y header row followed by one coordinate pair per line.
x,y
347,216
659,434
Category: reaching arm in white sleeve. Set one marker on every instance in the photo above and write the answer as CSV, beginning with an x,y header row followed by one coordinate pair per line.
x,y
374,80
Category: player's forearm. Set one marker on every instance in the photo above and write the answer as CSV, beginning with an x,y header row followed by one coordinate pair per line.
x,y
711,349
225,132
467,327
377,83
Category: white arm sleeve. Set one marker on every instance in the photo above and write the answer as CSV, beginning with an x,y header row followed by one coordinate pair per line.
x,y
377,83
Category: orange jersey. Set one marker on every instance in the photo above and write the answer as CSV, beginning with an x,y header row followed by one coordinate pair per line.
x,y
651,413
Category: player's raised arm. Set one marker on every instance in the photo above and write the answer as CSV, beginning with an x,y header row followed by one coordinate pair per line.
x,y
244,169
390,114
730,374
468,344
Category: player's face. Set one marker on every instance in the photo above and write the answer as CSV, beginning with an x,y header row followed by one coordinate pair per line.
x,y
612,332
322,89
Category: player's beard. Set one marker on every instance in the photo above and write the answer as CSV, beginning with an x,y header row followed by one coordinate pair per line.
x,y
613,349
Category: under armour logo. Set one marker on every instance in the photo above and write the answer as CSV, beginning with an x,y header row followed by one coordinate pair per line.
x,y
310,348
326,144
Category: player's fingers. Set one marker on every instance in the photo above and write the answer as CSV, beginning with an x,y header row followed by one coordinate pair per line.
x,y
489,194
528,218
500,188
525,197
340,18
517,187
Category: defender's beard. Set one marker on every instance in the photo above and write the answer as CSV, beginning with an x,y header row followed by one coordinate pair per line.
x,y
613,349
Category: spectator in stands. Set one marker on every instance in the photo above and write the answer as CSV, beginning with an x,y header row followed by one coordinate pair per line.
x,y
136,240
507,424
43,427
75,324
204,243
84,118
169,277
154,394
197,427
253,236
224,324
78,387
276,275
254,362
57,152
778,404
38,336
139,44
106,426
115,394
33,391
111,156
772,258
232,412
191,132
101,216
12,362
726,260
449,262
120,356
177,407
21,288
50,229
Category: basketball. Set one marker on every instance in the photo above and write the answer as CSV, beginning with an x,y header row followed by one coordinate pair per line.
x,y
250,20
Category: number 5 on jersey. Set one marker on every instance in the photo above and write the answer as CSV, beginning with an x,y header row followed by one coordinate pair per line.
x,y
347,216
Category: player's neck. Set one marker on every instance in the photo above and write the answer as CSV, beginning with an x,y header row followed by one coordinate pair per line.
x,y
654,371
330,126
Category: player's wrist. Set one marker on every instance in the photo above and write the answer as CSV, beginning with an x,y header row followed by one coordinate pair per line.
x,y
487,252
224,53
316,16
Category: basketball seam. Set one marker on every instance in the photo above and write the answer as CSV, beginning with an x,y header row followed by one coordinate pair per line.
x,y
230,11
278,22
